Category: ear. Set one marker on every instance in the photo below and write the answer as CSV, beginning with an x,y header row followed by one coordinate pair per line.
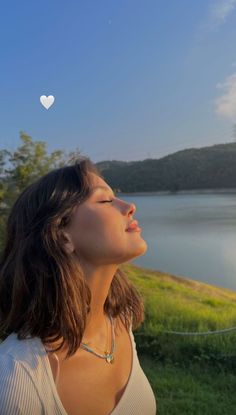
x,y
67,241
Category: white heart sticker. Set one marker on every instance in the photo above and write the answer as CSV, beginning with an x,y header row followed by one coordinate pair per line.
x,y
47,101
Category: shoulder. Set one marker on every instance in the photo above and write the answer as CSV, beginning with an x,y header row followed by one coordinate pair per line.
x,y
120,325
17,391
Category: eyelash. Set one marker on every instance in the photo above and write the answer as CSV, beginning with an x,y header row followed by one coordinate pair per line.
x,y
104,201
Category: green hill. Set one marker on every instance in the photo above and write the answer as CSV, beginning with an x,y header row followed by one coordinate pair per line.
x,y
212,167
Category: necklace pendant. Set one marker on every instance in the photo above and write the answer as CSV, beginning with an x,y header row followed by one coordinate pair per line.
x,y
109,359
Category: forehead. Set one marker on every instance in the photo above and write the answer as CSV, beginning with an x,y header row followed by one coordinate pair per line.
x,y
97,182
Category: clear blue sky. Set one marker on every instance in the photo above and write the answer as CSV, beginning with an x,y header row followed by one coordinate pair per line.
x,y
131,78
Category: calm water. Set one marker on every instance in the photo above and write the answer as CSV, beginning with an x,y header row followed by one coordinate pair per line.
x,y
191,235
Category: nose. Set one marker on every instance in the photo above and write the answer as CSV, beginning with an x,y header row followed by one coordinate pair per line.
x,y
132,208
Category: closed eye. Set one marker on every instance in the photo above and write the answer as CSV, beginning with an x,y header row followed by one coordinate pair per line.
x,y
104,201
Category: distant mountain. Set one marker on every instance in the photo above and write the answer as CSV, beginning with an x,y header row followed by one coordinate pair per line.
x,y
212,167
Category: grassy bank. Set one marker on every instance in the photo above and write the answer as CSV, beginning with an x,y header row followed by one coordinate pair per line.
x,y
193,390
159,287
173,303
189,374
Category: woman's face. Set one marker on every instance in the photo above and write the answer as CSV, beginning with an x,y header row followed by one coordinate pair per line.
x,y
97,228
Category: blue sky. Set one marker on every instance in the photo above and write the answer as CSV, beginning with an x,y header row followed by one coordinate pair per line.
x,y
131,79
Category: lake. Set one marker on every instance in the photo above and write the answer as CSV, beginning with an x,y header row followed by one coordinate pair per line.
x,y
190,234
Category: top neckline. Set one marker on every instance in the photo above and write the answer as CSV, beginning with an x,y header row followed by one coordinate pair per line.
x,y
56,394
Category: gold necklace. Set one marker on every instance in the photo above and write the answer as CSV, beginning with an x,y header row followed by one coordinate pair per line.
x,y
108,356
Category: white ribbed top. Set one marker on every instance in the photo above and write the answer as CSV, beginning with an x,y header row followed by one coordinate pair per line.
x,y
27,385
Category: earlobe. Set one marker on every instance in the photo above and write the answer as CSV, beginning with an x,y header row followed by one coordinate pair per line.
x,y
69,248
67,242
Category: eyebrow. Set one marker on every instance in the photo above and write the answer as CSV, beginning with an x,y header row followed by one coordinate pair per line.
x,y
101,187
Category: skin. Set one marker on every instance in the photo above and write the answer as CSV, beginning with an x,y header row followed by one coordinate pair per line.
x,y
96,237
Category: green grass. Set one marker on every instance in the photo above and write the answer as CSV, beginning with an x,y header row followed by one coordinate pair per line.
x,y
174,303
210,303
193,390
192,375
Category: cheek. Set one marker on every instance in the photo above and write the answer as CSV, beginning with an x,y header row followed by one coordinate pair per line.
x,y
100,227
88,226
113,232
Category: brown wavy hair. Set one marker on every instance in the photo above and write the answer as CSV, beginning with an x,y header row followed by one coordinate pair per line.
x,y
43,292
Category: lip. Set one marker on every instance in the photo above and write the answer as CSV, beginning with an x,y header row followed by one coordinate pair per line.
x,y
134,229
133,226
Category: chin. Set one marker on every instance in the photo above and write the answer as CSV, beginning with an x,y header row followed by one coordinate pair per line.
x,y
145,245
141,251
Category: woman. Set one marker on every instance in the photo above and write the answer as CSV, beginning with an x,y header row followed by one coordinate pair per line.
x,y
66,308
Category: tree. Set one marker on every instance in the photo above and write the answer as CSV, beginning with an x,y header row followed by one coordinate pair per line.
x,y
29,162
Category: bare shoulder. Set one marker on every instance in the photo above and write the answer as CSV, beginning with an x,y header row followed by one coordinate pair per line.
x,y
120,327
